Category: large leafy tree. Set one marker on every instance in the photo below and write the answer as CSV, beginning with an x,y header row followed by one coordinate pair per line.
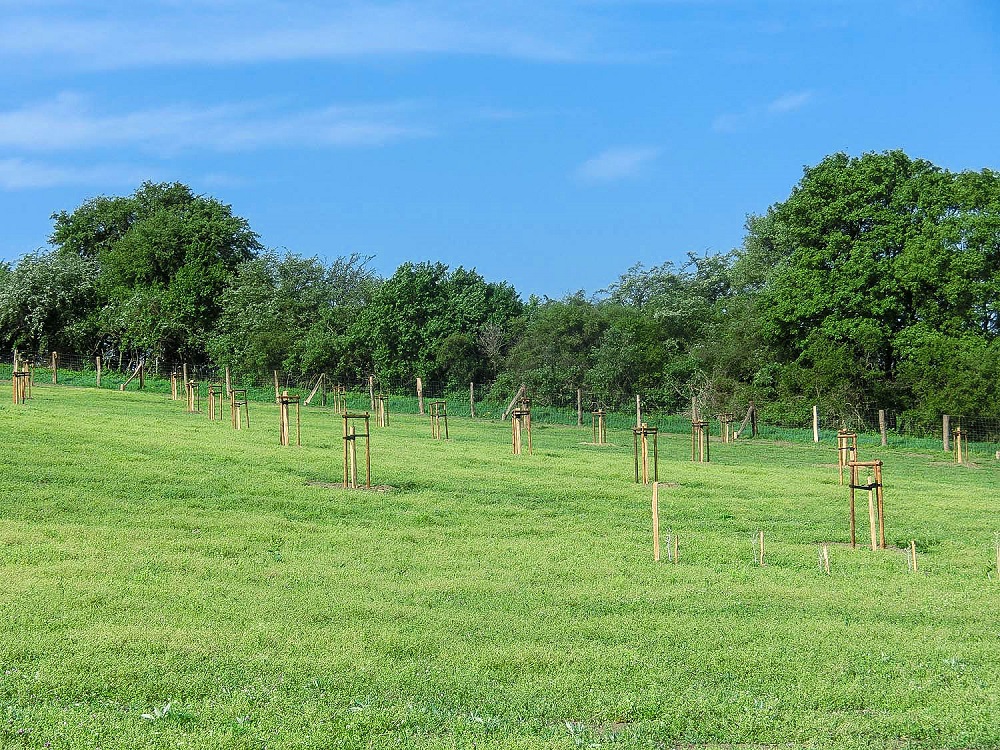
x,y
294,314
430,321
47,303
865,257
164,256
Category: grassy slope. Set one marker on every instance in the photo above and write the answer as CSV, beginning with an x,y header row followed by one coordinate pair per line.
x,y
147,556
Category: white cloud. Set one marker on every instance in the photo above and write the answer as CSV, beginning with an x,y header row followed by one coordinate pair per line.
x,y
616,164
69,122
732,122
790,102
18,174
95,36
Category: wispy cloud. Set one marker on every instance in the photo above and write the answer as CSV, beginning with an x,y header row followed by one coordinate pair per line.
x,y
615,164
165,33
70,122
732,122
790,102
19,174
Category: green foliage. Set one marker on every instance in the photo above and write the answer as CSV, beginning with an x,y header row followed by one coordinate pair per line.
x,y
47,303
426,320
164,257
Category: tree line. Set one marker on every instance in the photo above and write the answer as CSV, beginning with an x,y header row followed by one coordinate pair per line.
x,y
876,281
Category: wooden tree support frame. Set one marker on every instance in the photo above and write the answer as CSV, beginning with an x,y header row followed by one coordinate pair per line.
x,y
439,414
338,394
193,391
381,410
284,418
520,423
216,393
700,443
960,441
847,450
726,420
351,449
599,425
640,442
21,385
239,407
876,505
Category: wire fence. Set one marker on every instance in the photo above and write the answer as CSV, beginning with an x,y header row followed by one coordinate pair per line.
x,y
572,407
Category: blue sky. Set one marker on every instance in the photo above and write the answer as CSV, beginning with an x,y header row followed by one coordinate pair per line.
x,y
550,144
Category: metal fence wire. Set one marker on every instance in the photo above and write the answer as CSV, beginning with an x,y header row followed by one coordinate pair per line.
x,y
573,407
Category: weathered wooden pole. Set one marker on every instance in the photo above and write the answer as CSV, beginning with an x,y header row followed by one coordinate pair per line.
x,y
882,428
656,521
229,382
420,396
946,433
55,368
472,399
815,424
98,372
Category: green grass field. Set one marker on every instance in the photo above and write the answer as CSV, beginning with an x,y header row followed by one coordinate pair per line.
x,y
169,582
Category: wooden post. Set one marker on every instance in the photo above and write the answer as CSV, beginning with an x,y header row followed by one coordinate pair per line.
x,y
420,396
579,407
946,433
229,382
98,372
55,368
184,374
815,424
472,399
371,391
881,428
656,521
276,400
638,411
694,409
913,555
872,523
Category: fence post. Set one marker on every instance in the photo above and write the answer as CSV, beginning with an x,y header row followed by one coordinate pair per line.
x,y
472,399
946,432
815,423
881,427
55,368
420,396
98,372
275,386
229,383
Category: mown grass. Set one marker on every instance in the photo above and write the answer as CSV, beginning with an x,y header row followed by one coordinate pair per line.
x,y
149,557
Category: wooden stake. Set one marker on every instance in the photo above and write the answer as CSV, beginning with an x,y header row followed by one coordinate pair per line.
x,y
656,521
946,432
55,368
815,424
275,386
882,428
872,523
638,411
913,554
420,396
371,391
229,383
185,372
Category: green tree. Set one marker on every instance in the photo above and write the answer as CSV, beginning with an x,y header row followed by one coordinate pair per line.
x,y
164,257
48,303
